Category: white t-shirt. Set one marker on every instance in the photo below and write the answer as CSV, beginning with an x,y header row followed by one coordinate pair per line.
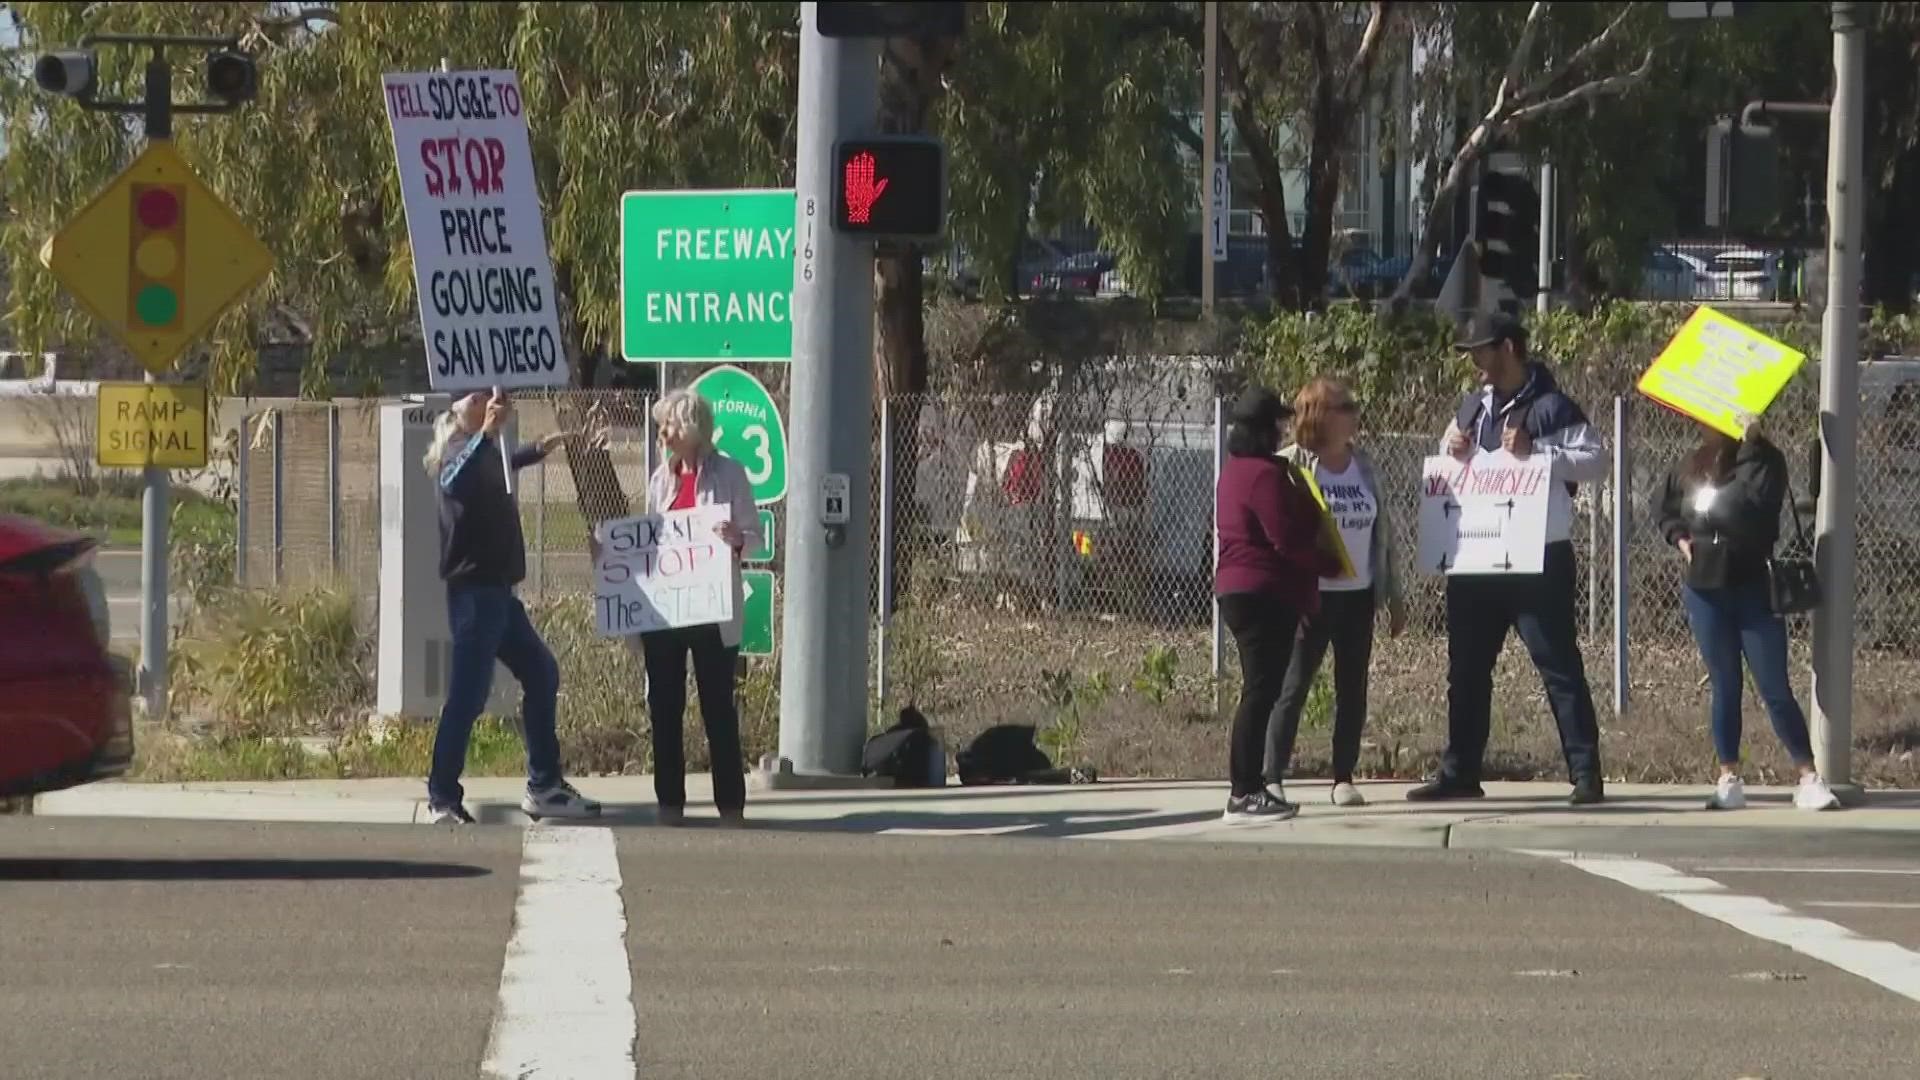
x,y
1354,508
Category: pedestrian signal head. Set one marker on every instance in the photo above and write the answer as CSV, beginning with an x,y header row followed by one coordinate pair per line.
x,y
68,72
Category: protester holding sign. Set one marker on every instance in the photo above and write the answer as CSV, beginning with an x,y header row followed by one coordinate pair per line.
x,y
482,557
1326,423
1522,410
1270,560
694,474
1720,508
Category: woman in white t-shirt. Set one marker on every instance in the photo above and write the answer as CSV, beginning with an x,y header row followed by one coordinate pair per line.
x,y
1327,421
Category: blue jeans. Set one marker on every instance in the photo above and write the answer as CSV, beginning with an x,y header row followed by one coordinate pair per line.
x,y
1739,620
489,623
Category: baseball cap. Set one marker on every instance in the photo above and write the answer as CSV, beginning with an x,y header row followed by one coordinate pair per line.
x,y
1491,328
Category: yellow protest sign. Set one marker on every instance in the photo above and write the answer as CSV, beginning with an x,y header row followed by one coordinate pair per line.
x,y
1330,539
1721,372
159,424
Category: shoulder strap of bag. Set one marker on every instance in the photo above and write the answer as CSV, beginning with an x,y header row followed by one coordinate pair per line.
x,y
1799,527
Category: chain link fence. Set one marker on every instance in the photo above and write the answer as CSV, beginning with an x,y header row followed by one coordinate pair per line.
x,y
1046,557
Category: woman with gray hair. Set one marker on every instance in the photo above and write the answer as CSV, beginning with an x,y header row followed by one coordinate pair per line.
x,y
695,474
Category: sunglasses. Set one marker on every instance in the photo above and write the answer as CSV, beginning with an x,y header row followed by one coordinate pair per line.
x,y
1348,407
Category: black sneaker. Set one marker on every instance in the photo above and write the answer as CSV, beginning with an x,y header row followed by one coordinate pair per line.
x,y
1259,806
1446,789
455,814
1588,790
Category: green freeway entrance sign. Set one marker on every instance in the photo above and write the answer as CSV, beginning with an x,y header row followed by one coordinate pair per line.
x,y
756,632
747,428
706,275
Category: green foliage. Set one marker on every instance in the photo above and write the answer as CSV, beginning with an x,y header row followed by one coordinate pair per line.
x,y
1405,358
1317,713
268,663
1159,674
1071,701
112,511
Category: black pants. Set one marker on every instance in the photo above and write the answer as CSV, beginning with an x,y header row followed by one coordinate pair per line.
x,y
713,670
1263,630
1480,611
1345,622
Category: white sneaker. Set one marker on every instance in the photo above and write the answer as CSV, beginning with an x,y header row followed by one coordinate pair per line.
x,y
1729,794
1345,794
559,801
1814,794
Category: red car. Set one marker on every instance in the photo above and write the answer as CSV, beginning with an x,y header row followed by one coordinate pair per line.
x,y
64,699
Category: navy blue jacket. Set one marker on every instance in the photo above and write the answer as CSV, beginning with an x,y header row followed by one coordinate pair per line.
x,y
1559,431
480,539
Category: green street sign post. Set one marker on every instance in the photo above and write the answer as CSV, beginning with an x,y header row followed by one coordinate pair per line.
x,y
763,553
756,633
706,276
747,428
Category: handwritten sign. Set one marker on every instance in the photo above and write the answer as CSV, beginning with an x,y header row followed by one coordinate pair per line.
x,y
662,571
1720,372
1487,515
473,217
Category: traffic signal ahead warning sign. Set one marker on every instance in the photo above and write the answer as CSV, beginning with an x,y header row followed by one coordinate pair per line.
x,y
157,257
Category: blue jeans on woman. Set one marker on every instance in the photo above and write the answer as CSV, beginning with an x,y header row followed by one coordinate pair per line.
x,y
1728,623
489,623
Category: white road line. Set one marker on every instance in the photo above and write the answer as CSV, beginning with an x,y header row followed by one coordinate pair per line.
x,y
566,992
1889,905
1803,870
1880,962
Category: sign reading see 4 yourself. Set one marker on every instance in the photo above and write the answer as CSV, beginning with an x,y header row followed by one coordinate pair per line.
x,y
707,276
473,216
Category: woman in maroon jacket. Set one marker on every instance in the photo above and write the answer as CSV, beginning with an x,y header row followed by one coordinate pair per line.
x,y
1268,577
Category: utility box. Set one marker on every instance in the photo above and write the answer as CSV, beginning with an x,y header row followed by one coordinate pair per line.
x,y
416,648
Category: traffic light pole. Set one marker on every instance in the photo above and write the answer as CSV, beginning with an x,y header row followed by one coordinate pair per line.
x,y
823,671
1834,528
155,513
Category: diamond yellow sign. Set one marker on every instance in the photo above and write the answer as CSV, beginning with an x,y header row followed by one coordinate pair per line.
x,y
157,257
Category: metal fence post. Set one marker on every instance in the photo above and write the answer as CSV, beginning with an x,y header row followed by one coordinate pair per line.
x,y
333,489
241,494
1593,569
1622,538
540,529
279,497
886,548
1219,636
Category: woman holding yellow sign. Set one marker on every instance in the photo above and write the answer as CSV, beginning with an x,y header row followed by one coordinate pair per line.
x,y
1326,424
1721,509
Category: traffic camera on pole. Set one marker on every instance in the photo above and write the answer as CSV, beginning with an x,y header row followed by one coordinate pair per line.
x,y
1508,233
69,72
231,76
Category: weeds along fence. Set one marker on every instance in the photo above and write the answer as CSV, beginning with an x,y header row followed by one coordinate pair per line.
x,y
1046,556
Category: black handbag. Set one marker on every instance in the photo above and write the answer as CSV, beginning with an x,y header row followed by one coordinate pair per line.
x,y
1793,586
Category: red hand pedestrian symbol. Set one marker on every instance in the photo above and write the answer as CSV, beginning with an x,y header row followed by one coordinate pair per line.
x,y
863,190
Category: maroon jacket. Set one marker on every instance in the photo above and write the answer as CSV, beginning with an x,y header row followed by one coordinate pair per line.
x,y
1269,526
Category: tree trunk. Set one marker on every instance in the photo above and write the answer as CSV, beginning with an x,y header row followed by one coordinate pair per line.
x,y
901,376
1323,199
1283,271
1896,219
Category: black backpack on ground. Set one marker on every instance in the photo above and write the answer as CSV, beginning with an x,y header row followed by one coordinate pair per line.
x,y
1004,754
903,753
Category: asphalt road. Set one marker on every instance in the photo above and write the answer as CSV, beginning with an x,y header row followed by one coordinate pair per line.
x,y
152,950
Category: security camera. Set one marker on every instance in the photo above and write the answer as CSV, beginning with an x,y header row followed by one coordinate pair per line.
x,y
68,72
231,76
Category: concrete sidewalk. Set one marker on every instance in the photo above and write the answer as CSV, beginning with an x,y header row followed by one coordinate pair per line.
x,y
1637,819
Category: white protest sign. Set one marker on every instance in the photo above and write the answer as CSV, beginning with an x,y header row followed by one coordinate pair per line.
x,y
662,571
473,217
1487,515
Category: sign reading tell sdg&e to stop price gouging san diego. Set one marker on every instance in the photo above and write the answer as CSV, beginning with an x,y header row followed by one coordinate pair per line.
x,y
707,276
487,306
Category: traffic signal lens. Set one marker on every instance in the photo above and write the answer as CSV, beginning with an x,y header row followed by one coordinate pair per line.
x,y
156,305
157,256
890,186
158,208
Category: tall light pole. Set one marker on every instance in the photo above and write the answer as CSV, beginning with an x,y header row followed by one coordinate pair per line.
x,y
1209,151
1835,535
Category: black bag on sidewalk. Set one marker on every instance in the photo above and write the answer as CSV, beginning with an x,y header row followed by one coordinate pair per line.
x,y
1005,754
903,753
